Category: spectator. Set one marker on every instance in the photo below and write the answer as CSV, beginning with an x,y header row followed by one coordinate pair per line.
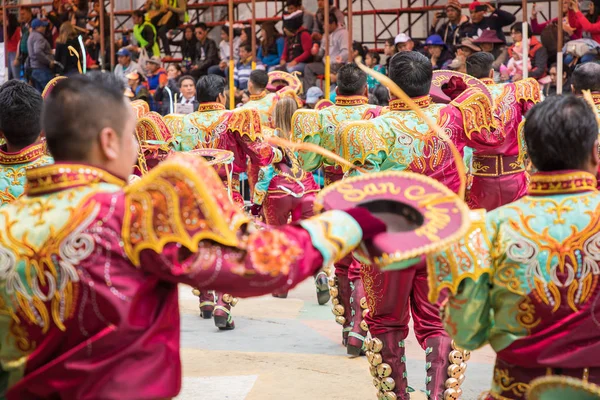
x,y
271,46
126,66
308,18
156,74
389,49
313,96
78,13
243,68
571,26
589,27
11,43
58,14
161,96
40,55
245,97
145,34
246,36
319,28
495,21
298,43
514,69
174,12
207,54
372,60
338,53
551,87
403,42
439,55
585,77
137,85
538,56
380,96
25,18
68,37
92,47
464,49
451,30
224,53
490,43
95,21
187,45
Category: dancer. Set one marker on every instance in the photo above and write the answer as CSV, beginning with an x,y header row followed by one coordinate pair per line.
x,y
91,266
528,277
260,100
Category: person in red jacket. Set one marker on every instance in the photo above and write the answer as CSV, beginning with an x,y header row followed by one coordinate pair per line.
x,y
592,28
298,43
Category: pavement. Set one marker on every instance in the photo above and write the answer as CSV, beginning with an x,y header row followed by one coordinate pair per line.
x,y
290,349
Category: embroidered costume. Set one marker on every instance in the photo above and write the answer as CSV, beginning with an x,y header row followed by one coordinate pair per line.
x,y
89,272
13,167
264,103
399,140
498,171
525,280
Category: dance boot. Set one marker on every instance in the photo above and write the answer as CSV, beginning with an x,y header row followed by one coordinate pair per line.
x,y
445,365
359,328
340,300
385,353
207,302
322,288
222,313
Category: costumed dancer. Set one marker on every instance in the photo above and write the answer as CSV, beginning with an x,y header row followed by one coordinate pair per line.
x,y
498,172
23,147
525,277
402,140
319,127
96,299
284,192
212,126
261,100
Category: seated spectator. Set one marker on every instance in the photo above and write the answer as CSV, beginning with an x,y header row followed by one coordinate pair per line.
x,y
145,34
156,74
451,30
92,48
516,64
137,84
243,68
439,55
403,42
187,93
67,37
271,46
41,60
585,77
338,53
490,43
161,96
126,66
550,88
173,13
313,96
538,56
308,18
372,60
464,49
245,97
224,52
94,22
592,28
187,46
207,54
389,49
319,27
497,20
298,44
380,96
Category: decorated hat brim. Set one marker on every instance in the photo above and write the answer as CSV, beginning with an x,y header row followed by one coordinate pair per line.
x,y
214,156
324,103
562,387
51,85
442,76
435,217
292,81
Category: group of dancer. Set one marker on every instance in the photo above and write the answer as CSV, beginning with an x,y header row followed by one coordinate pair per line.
x,y
506,253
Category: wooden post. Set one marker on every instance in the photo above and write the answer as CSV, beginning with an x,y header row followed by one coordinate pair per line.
x,y
102,41
5,33
350,28
525,43
559,52
327,61
253,35
231,62
112,34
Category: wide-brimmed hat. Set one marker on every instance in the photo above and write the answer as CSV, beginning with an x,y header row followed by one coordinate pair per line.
x,y
214,156
488,36
435,40
155,60
323,103
468,43
562,387
289,81
50,86
422,215
442,77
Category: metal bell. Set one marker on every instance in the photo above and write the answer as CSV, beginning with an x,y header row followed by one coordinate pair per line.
x,y
452,383
335,301
451,394
368,342
384,370
340,319
455,357
363,303
338,310
377,345
461,379
388,384
466,355
369,355
333,291
227,298
234,301
332,281
373,371
389,396
365,312
196,292
454,371
377,383
364,326
377,359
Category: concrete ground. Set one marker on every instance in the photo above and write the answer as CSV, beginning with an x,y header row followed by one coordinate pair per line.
x,y
289,349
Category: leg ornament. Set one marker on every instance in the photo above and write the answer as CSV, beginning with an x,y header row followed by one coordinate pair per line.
x,y
385,354
223,318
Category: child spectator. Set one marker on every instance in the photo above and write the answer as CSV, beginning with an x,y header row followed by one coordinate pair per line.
x,y
516,64
156,74
271,46
137,85
243,68
224,53
372,61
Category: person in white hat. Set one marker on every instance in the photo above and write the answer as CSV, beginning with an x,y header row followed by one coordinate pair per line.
x,y
403,42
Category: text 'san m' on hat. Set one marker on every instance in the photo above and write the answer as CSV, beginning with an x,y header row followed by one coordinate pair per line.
x,y
422,215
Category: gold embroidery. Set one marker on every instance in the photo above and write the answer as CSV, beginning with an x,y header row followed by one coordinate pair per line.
x,y
351,100
275,258
526,314
399,105
569,182
503,380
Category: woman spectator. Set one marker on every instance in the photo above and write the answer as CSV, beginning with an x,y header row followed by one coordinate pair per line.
x,y
490,43
95,21
57,15
188,48
67,37
372,61
589,27
438,52
298,43
389,49
161,97
78,13
538,55
92,46
271,46
246,35
571,26
464,49
380,96
12,43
